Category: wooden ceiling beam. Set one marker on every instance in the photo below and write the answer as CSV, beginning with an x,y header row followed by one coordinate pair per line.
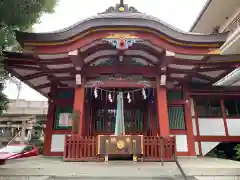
x,y
135,56
144,58
148,71
20,62
201,76
147,49
32,76
174,60
58,71
96,71
24,67
222,75
163,60
212,69
65,60
60,79
189,73
76,58
43,86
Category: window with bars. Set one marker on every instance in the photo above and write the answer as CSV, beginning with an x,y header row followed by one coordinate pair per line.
x,y
232,107
176,117
208,107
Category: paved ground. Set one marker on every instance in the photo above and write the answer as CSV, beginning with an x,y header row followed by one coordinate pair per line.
x,y
77,178
55,168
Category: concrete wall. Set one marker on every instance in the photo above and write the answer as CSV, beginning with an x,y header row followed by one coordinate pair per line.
x,y
23,107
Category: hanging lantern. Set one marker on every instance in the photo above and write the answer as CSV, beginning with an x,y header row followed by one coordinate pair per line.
x,y
163,80
95,93
78,79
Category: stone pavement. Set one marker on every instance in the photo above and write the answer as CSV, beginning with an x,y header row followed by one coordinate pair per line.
x,y
81,178
55,168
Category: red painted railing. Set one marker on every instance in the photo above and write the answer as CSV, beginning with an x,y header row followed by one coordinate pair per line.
x,y
85,148
158,149
80,148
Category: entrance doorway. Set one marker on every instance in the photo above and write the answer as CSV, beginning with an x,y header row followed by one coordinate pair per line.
x,y
139,110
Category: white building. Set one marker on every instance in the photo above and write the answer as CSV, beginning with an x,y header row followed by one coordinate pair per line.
x,y
222,16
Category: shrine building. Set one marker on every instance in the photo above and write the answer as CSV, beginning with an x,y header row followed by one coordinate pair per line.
x,y
125,83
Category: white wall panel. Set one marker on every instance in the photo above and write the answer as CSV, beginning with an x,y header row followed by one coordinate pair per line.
x,y
233,127
181,143
211,127
208,146
57,142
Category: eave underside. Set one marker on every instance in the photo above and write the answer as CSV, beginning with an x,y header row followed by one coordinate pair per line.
x,y
101,59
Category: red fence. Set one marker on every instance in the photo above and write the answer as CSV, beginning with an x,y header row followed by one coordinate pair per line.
x,y
85,148
157,149
80,148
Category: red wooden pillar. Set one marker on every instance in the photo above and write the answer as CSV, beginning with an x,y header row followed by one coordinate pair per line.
x,y
50,120
189,125
224,117
162,108
79,106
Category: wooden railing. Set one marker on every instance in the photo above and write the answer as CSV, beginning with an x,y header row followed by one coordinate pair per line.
x,y
80,148
156,148
84,148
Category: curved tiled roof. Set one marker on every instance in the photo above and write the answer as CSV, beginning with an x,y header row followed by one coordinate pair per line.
x,y
115,19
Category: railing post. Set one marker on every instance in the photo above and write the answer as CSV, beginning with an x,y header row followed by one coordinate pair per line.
x,y
65,147
161,150
134,151
106,150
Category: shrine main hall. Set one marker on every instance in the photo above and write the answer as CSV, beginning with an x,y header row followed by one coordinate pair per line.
x,y
123,83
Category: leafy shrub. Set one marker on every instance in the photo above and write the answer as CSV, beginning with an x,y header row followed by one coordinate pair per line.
x,y
237,149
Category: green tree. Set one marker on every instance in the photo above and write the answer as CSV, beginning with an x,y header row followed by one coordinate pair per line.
x,y
18,15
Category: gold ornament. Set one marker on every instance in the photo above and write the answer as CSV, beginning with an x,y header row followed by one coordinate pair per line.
x,y
120,144
121,9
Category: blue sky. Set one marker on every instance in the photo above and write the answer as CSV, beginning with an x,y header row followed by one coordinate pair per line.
x,y
178,13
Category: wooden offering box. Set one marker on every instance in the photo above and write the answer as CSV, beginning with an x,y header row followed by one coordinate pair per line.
x,y
120,145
